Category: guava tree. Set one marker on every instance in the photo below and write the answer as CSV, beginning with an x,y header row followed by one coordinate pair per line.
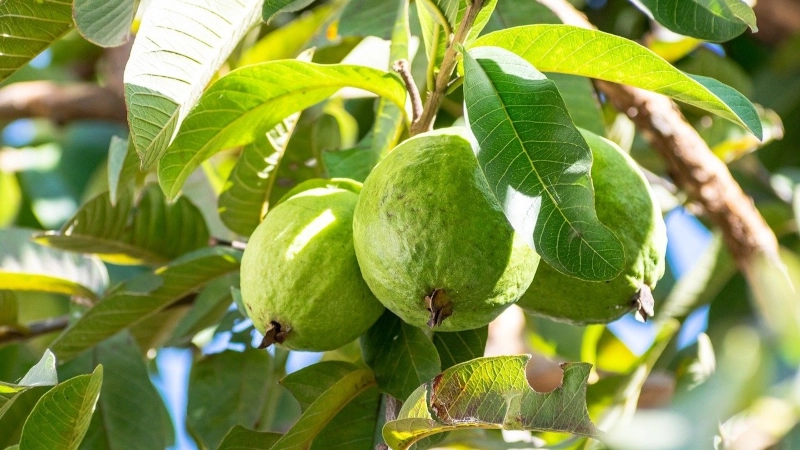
x,y
390,184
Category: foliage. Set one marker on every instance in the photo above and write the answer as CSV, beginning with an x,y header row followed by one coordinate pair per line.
x,y
119,241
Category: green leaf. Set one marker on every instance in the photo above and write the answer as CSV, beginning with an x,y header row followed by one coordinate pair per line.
x,y
60,418
368,18
581,101
309,383
150,232
11,194
401,355
9,308
537,164
123,166
289,40
462,346
595,54
26,266
251,100
492,393
141,297
245,197
130,414
43,373
709,20
28,28
170,67
356,163
240,438
207,310
227,389
273,7
325,408
515,13
15,409
355,423
106,23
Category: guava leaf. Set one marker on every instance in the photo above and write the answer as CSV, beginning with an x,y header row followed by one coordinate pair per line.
x,y
122,420
123,166
106,23
246,193
209,307
709,20
227,389
595,54
240,438
43,373
492,393
461,346
273,7
16,404
537,164
288,41
368,18
178,49
17,400
581,101
354,425
515,13
60,418
356,163
253,99
29,28
324,410
139,298
401,355
151,232
26,265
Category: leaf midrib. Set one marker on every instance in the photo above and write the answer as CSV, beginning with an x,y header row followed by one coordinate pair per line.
x,y
545,187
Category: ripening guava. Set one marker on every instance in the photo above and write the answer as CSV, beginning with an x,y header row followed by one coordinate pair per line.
x,y
626,205
301,285
432,241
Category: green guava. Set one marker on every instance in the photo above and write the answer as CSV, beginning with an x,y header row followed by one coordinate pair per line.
x,y
301,284
626,205
431,239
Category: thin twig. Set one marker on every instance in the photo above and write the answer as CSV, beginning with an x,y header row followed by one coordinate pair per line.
x,y
238,245
403,67
15,333
446,69
691,164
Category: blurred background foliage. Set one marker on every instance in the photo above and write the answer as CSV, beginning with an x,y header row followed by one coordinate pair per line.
x,y
718,364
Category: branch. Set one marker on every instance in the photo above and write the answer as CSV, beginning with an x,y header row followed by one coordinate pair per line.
x,y
403,68
60,103
9,334
435,97
690,162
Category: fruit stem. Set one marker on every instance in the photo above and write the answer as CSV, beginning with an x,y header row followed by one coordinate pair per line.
x,y
435,97
403,67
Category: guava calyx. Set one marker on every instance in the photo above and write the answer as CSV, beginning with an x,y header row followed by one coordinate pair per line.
x,y
275,334
439,305
644,303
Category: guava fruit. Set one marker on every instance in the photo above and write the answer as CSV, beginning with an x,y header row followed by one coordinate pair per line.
x,y
626,205
300,281
432,242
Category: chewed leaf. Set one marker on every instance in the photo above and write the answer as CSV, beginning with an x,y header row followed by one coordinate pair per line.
x,y
492,393
537,164
595,54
